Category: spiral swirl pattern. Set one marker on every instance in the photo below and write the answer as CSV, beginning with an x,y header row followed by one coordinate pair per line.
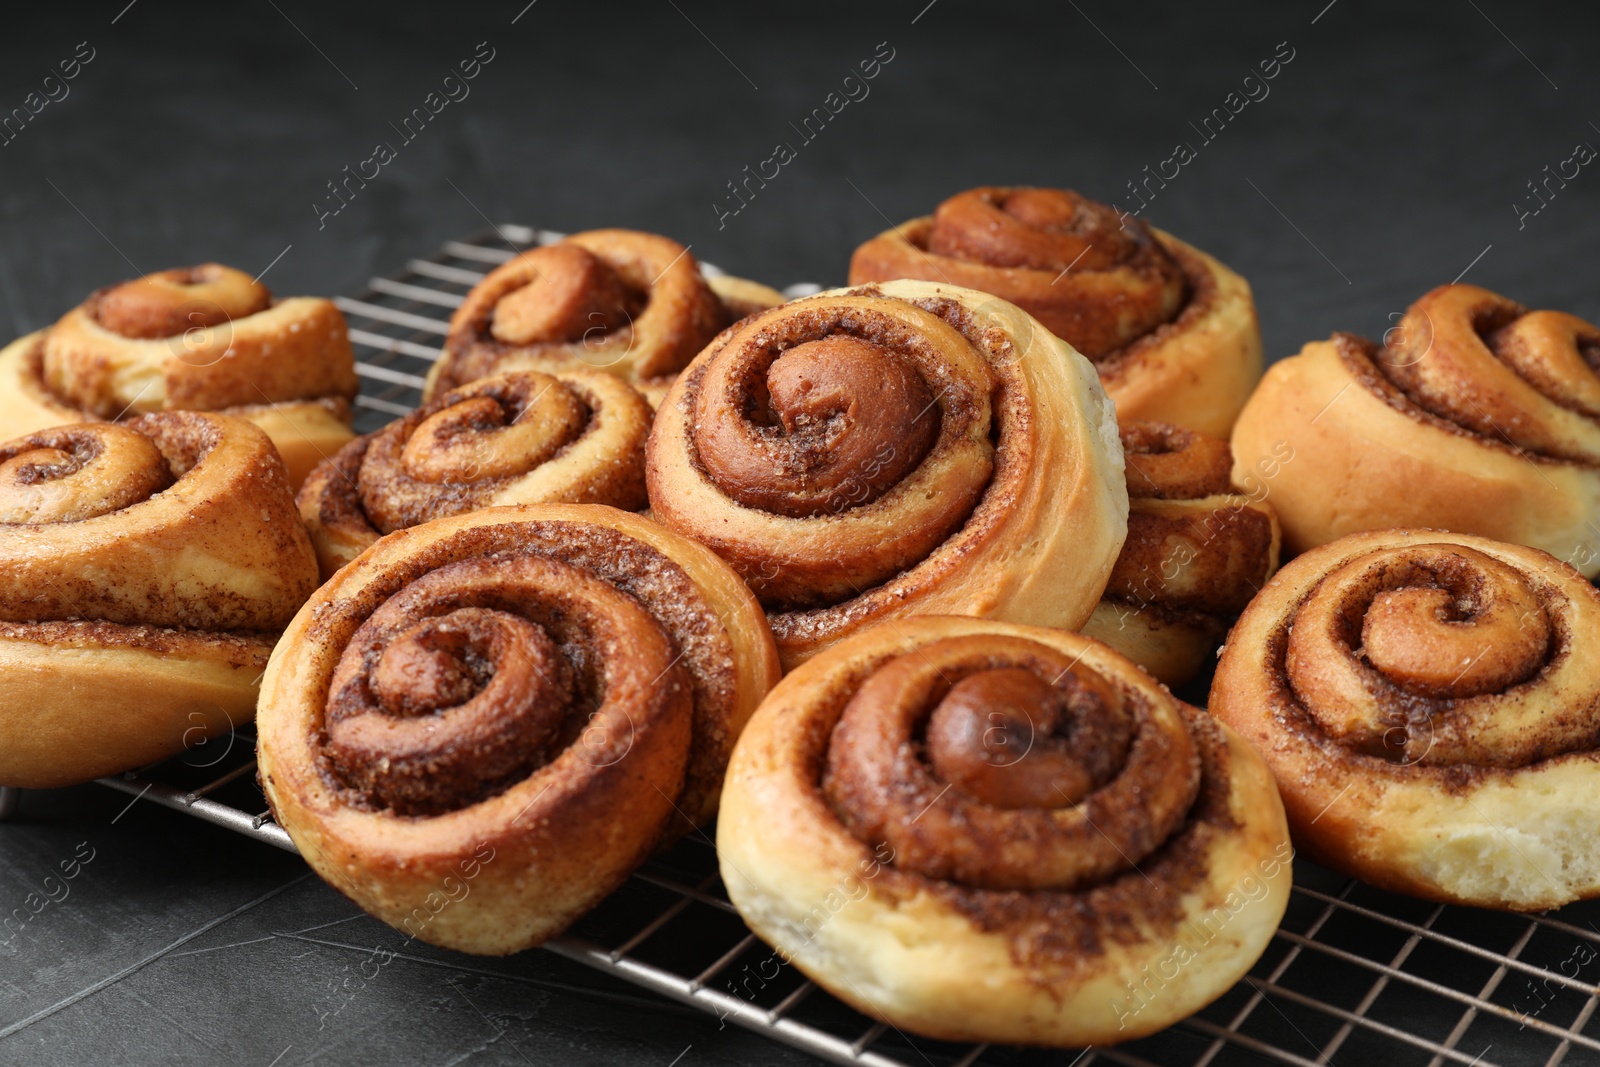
x,y
1170,463
145,570
173,519
563,683
465,680
863,453
1490,365
203,338
1024,795
78,472
635,304
1063,780
171,302
516,438
827,410
196,338
1441,681
1111,283
1475,414
1171,331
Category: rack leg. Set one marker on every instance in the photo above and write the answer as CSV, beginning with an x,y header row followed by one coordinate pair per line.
x,y
8,801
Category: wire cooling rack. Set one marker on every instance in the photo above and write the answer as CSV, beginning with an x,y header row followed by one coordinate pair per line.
x,y
1354,976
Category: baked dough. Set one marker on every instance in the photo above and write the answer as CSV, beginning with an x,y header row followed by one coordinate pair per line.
x,y
635,304
1171,330
516,438
1197,551
479,727
895,450
203,338
1428,702
980,831
1475,415
146,569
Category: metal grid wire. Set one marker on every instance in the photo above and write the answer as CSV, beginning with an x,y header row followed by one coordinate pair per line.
x,y
1354,976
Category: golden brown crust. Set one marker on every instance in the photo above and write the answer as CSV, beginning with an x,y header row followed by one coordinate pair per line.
x,y
634,304
517,438
1427,702
1476,415
211,348
1100,846
204,338
1197,551
218,550
144,569
526,699
1094,281
169,302
125,696
839,516
1172,331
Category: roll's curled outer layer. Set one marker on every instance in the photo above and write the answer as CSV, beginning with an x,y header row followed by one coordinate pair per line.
x,y
895,450
1198,549
146,569
1475,415
634,304
1429,703
481,725
1171,330
516,438
203,338
987,832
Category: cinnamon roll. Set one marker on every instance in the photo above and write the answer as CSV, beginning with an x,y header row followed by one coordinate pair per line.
x,y
987,832
203,338
635,304
1197,550
1172,331
519,438
146,568
1474,414
1429,704
895,450
480,726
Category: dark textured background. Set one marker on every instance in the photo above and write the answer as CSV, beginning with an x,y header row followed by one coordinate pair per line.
x,y
1387,158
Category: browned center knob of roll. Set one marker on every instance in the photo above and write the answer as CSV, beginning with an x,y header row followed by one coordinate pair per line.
x,y
1040,772
457,702
1417,653
431,668
482,437
844,421
169,302
1014,741
1042,229
78,472
1469,626
572,293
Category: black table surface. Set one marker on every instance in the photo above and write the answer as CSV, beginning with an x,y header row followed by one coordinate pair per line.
x,y
1392,151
